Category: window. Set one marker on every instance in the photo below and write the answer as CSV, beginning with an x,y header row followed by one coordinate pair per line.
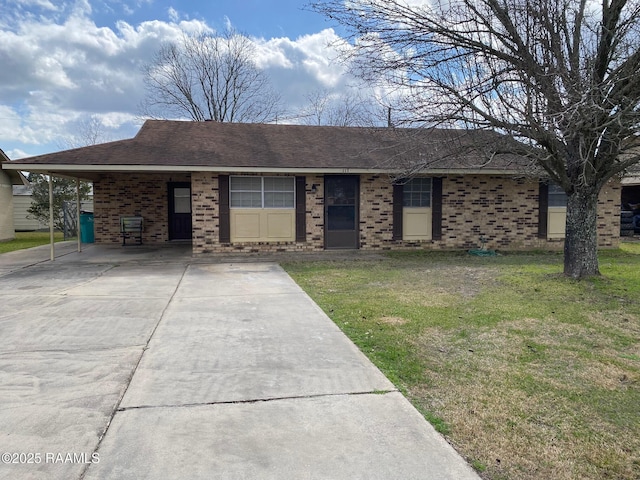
x,y
417,193
557,197
262,192
246,192
181,200
556,212
278,192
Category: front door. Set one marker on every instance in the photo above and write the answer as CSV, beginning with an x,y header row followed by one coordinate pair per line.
x,y
341,211
179,211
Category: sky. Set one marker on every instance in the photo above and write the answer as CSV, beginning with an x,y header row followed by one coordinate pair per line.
x,y
64,63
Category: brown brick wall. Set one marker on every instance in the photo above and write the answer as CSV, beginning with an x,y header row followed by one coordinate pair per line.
x,y
204,205
376,212
502,209
609,215
132,194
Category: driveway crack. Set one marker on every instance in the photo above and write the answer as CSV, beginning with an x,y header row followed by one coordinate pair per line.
x,y
258,400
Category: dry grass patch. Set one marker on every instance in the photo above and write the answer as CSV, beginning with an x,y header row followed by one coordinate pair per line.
x,y
510,394
530,375
393,320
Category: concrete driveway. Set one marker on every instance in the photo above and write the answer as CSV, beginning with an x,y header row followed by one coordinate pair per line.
x,y
141,364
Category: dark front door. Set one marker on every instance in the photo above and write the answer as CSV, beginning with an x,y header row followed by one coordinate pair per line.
x,y
341,211
179,211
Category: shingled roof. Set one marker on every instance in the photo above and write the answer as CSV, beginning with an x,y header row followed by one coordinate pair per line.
x,y
162,145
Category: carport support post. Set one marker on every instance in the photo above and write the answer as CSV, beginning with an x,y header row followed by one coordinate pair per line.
x,y
78,214
51,237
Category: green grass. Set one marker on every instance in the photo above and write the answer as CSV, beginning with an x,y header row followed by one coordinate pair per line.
x,y
529,374
27,240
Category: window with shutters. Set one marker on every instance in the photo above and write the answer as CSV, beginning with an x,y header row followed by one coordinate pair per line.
x,y
416,211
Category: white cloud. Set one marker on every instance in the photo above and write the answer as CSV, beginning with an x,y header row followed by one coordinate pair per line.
x,y
227,23
9,123
303,66
57,70
44,4
16,154
174,16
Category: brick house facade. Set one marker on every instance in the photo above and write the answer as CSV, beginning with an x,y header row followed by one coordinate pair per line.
x,y
505,210
271,188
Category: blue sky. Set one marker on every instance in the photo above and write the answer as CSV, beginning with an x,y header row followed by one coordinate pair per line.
x,y
66,62
267,19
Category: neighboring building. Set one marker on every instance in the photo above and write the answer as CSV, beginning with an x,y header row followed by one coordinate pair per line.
x,y
8,178
22,220
253,187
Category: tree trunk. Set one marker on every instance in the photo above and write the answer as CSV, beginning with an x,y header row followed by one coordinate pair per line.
x,y
581,238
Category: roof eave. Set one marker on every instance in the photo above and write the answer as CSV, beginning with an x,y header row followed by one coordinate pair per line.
x,y
92,169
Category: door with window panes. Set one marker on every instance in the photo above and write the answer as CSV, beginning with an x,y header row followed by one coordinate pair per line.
x,y
180,211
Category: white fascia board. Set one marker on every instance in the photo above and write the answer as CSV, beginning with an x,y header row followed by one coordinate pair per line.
x,y
191,169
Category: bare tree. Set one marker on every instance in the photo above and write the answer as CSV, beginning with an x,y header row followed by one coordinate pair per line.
x,y
89,131
560,76
314,112
209,77
339,110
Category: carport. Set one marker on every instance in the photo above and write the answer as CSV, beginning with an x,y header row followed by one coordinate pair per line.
x,y
160,198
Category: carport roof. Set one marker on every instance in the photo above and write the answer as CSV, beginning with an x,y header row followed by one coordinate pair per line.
x,y
163,145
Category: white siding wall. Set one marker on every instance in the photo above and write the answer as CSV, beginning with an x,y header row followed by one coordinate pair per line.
x,y
23,223
7,231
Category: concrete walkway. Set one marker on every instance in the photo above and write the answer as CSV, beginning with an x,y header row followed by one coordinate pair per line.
x,y
146,364
19,259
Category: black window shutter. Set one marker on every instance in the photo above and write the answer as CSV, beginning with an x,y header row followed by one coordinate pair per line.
x,y
436,208
398,190
301,209
223,205
543,207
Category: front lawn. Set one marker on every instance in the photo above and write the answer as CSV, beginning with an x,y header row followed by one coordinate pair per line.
x,y
528,374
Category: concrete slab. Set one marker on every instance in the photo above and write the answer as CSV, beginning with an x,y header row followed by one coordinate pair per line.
x,y
68,348
12,261
133,281
224,280
22,304
80,323
70,306
218,349
157,254
332,437
58,402
49,278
